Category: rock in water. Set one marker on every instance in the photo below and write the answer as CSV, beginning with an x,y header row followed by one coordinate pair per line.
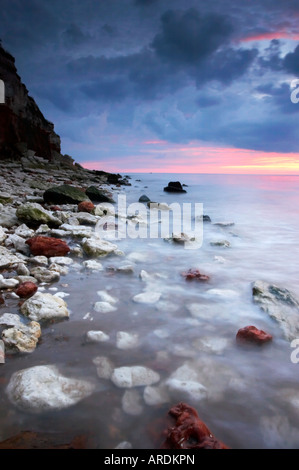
x,y
189,432
96,195
194,274
174,187
49,247
96,247
22,338
280,304
33,213
44,307
42,388
144,198
34,440
64,194
251,334
135,376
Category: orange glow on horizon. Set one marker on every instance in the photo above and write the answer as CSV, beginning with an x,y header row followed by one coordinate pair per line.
x,y
200,159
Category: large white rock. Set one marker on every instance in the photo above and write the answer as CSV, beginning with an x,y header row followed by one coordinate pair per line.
x,y
7,258
156,395
18,243
44,307
106,297
10,319
279,303
104,367
96,247
63,260
24,231
104,209
45,275
77,231
148,297
8,283
134,376
184,384
85,218
96,337
42,388
93,265
22,338
3,235
131,403
126,340
104,307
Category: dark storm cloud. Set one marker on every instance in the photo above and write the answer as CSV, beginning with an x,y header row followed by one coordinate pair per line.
x,y
164,66
145,2
74,36
279,96
291,61
188,37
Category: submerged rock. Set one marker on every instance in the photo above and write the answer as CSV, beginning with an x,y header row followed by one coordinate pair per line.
x,y
222,243
43,388
49,247
97,337
184,384
134,376
44,307
33,440
189,432
104,367
131,403
194,274
126,340
280,304
148,297
250,334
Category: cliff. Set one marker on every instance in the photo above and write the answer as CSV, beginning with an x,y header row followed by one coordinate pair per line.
x,y
24,131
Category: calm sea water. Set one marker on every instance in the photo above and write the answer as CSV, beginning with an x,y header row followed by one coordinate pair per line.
x,y
253,394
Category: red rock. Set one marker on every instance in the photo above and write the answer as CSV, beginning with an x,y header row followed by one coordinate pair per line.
x,y
46,246
189,432
250,334
34,440
2,301
86,206
55,208
26,290
195,274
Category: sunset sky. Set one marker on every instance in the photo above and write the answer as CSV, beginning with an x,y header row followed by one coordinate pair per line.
x,y
183,86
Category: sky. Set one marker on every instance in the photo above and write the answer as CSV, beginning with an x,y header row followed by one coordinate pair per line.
x,y
176,86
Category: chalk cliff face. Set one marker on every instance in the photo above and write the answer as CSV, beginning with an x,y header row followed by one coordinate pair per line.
x,y
23,128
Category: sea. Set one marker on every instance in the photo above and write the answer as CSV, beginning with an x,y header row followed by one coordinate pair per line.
x,y
251,397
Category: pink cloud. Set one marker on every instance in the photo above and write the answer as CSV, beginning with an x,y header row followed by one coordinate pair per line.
x,y
199,159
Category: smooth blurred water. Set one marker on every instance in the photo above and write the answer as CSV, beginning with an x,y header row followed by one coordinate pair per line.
x,y
249,402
